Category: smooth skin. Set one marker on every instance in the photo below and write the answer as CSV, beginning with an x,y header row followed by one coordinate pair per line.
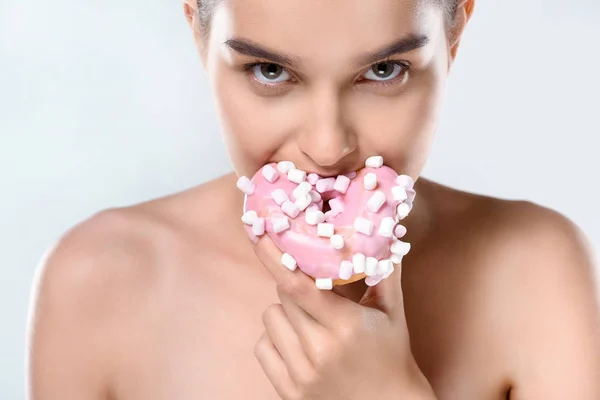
x,y
168,299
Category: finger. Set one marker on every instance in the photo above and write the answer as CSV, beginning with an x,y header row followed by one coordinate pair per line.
x,y
273,366
323,306
387,295
286,341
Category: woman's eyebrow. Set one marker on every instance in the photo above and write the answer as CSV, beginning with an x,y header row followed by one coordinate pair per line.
x,y
249,48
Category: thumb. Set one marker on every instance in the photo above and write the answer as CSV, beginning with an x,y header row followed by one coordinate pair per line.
x,y
387,295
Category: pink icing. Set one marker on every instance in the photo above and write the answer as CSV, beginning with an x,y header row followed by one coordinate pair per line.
x,y
314,255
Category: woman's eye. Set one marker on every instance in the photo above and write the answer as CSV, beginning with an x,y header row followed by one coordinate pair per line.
x,y
384,71
270,73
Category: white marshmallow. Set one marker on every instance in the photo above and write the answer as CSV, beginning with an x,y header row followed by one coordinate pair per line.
x,y
399,231
402,210
330,215
315,196
290,209
258,227
359,262
384,266
249,217
336,205
285,166
246,185
396,258
289,262
399,247
280,224
405,181
370,181
371,268
302,189
296,175
280,196
270,173
313,179
341,183
325,185
325,230
386,228
346,269
376,201
399,193
389,272
373,280
303,201
337,242
363,226
314,217
324,283
374,162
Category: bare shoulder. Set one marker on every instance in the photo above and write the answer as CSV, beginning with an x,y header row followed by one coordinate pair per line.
x,y
533,294
97,285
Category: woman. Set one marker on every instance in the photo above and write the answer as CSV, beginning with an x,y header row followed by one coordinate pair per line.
x,y
170,300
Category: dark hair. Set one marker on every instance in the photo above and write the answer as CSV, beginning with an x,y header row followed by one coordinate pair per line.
x,y
206,8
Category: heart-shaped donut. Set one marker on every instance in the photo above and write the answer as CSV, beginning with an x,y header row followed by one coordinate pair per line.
x,y
337,229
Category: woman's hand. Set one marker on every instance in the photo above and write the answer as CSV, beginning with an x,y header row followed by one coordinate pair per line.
x,y
320,345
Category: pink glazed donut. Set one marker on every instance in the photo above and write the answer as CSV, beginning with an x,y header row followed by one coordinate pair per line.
x,y
337,230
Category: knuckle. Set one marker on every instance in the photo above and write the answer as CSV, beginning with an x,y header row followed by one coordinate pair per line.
x,y
322,355
271,313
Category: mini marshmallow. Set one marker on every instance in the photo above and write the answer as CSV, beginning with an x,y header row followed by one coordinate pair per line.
x,y
325,230
399,231
249,217
399,247
314,217
371,268
246,185
351,174
341,183
280,196
386,228
325,185
303,201
402,210
383,266
296,175
270,173
405,181
290,209
336,204
399,193
389,272
374,162
396,258
370,181
258,227
373,280
315,196
280,224
313,179
411,195
324,283
376,201
285,166
289,262
330,215
337,242
346,269
359,261
313,207
363,226
302,189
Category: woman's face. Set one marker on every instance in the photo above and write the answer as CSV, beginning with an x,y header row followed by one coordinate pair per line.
x,y
326,84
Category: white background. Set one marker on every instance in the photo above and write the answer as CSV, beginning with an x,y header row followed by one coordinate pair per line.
x,y
104,104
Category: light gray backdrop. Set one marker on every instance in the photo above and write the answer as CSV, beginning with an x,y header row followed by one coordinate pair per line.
x,y
104,104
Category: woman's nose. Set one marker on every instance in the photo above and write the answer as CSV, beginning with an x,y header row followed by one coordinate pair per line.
x,y
326,137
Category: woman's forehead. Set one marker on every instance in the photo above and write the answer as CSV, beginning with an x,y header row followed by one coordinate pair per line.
x,y
303,27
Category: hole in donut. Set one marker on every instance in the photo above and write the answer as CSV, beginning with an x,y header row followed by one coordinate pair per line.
x,y
326,206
